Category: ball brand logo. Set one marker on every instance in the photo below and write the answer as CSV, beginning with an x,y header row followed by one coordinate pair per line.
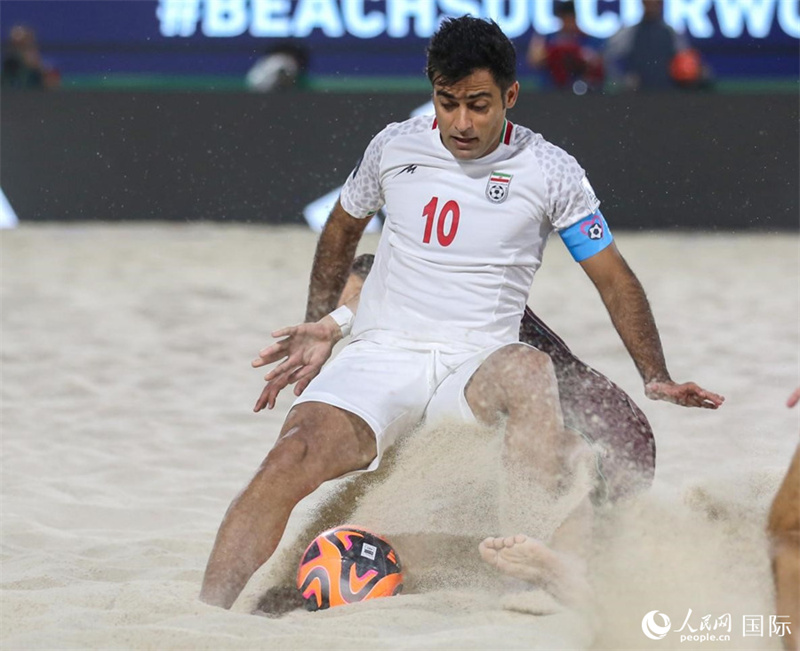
x,y
652,629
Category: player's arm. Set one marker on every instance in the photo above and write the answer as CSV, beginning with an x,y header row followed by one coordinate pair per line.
x,y
591,243
360,199
306,347
302,350
629,309
336,249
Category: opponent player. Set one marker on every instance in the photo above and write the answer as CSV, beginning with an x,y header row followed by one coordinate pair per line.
x,y
470,200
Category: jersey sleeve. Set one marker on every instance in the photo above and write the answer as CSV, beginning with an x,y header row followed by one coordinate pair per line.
x,y
362,195
573,207
570,196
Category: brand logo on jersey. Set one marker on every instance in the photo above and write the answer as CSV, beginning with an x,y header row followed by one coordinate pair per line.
x,y
497,187
408,168
593,228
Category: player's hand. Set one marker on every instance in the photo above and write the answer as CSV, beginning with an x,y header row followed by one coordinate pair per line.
x,y
687,394
794,398
303,350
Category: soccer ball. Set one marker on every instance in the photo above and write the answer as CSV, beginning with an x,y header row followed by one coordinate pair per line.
x,y
345,565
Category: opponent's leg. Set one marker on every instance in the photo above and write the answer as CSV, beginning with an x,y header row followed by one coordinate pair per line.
x,y
318,442
784,533
352,288
602,412
518,383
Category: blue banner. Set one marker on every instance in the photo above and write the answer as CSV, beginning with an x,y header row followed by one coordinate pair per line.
x,y
351,37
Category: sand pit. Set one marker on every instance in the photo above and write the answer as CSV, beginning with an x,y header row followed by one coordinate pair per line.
x,y
127,428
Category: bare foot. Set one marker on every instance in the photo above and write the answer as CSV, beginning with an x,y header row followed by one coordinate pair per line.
x,y
562,575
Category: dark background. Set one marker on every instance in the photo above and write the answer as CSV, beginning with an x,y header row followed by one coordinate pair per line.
x,y
722,162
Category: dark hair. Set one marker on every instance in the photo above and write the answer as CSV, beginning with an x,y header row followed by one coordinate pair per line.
x,y
362,265
463,45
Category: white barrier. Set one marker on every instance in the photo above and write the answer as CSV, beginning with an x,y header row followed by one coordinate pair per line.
x,y
8,218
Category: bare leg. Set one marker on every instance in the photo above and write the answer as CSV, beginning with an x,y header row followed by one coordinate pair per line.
x,y
519,383
318,442
352,291
784,532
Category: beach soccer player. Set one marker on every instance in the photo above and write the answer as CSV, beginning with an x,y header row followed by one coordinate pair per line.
x,y
783,528
470,199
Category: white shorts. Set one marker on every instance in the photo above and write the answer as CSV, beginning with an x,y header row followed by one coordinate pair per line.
x,y
393,388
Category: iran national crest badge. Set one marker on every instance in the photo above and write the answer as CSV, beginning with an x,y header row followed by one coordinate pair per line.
x,y
497,187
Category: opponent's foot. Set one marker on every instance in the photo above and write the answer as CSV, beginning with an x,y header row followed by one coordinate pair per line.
x,y
562,575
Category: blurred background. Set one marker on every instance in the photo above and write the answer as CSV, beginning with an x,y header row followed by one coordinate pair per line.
x,y
683,112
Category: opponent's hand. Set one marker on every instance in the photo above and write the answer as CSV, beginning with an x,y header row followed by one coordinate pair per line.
x,y
687,394
304,350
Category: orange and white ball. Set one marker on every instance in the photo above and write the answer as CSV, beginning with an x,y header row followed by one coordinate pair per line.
x,y
345,565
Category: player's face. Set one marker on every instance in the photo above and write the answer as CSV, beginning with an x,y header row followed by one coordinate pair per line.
x,y
471,112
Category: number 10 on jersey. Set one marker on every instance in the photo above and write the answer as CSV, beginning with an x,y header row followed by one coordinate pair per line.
x,y
446,221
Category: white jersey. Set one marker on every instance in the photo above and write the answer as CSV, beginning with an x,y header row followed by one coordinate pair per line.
x,y
462,239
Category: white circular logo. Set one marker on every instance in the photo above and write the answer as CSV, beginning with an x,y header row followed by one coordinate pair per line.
x,y
651,629
596,231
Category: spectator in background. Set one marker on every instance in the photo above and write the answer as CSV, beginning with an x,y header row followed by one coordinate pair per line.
x,y
651,55
23,66
282,67
571,59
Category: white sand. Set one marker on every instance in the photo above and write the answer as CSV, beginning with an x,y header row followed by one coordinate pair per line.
x,y
126,430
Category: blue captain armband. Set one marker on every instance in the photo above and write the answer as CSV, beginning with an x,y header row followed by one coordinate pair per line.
x,y
588,236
